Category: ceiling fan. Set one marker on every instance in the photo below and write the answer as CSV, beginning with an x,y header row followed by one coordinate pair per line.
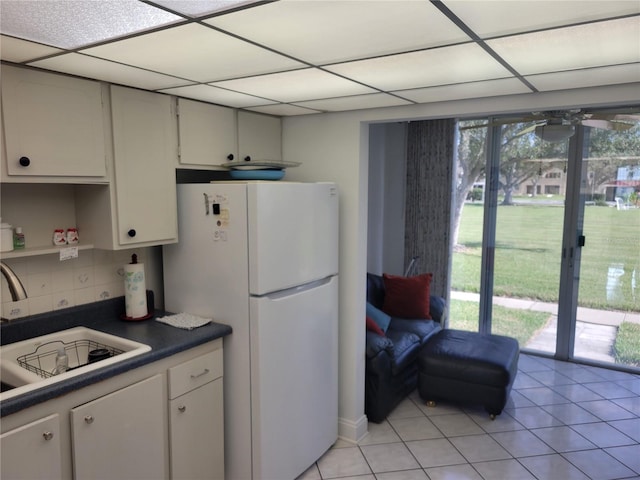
x,y
558,125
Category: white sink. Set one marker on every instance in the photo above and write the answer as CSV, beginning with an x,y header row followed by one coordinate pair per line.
x,y
31,363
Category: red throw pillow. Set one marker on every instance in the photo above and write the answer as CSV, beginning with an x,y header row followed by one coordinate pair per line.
x,y
373,327
407,297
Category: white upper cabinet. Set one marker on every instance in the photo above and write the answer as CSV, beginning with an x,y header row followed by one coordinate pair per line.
x,y
259,136
145,149
207,133
53,126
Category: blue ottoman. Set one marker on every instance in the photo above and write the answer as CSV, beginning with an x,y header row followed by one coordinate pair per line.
x,y
468,367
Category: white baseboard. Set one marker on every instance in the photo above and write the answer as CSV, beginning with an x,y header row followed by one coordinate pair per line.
x,y
351,431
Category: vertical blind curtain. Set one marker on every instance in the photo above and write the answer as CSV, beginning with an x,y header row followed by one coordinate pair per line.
x,y
429,192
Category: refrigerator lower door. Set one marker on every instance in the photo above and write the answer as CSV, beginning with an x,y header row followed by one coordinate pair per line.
x,y
294,379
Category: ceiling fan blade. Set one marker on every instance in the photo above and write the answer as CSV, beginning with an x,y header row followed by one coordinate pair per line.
x,y
504,121
624,117
607,125
470,127
527,130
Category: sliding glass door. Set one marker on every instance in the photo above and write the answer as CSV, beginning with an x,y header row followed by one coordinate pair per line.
x,y
607,326
530,211
558,262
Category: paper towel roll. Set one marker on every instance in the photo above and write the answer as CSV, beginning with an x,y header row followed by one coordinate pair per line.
x,y
135,291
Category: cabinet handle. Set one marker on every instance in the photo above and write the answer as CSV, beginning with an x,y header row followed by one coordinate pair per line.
x,y
131,233
204,372
24,161
182,408
247,158
47,436
88,419
230,157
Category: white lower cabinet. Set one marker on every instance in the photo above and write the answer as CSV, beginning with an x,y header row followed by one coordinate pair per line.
x,y
197,433
196,419
132,446
120,428
32,451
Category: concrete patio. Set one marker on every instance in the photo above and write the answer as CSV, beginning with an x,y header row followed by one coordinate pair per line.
x,y
595,329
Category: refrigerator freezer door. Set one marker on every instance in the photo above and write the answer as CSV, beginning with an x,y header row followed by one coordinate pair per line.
x,y
293,234
294,379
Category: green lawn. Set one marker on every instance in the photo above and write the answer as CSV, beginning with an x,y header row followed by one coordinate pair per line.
x,y
519,324
527,265
528,253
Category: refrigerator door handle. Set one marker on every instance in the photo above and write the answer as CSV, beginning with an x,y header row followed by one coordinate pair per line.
x,y
286,292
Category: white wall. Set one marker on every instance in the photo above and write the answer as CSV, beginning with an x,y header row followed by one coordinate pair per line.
x,y
335,147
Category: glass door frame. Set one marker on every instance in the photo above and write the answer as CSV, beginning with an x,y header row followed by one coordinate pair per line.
x,y
572,242
571,238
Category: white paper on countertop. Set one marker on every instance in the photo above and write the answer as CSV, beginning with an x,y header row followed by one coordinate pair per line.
x,y
184,320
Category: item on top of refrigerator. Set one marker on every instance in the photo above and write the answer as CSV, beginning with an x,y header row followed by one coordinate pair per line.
x,y
59,238
256,174
260,165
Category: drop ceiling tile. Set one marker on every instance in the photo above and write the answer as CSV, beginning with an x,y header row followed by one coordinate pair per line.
x,y
591,77
17,50
323,32
488,88
97,68
283,110
217,95
527,15
75,23
438,66
194,52
357,102
592,45
295,86
198,8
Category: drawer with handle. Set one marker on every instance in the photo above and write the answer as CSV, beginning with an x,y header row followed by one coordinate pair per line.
x,y
195,373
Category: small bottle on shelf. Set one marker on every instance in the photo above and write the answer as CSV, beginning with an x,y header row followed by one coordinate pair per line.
x,y
59,237
18,239
72,236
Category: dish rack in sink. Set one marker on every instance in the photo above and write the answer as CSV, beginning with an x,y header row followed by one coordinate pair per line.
x,y
42,361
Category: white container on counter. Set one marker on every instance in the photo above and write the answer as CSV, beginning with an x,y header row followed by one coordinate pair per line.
x,y
6,237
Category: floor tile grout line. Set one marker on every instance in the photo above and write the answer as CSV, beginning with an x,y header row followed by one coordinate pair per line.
x,y
534,365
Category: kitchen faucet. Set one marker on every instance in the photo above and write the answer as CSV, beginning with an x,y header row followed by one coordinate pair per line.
x,y
13,282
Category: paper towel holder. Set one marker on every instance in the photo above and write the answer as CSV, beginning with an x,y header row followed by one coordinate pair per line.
x,y
136,304
150,309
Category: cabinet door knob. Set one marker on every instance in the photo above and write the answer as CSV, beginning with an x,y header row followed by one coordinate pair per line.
x,y
131,233
182,408
47,436
230,157
88,419
247,158
24,161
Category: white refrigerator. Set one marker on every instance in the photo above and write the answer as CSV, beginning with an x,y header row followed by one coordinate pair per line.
x,y
262,257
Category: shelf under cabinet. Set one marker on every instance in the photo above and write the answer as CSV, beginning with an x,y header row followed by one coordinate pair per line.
x,y
45,250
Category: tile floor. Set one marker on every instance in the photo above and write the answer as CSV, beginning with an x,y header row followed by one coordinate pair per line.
x,y
563,422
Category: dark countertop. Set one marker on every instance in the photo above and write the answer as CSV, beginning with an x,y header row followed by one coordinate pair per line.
x,y
104,316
